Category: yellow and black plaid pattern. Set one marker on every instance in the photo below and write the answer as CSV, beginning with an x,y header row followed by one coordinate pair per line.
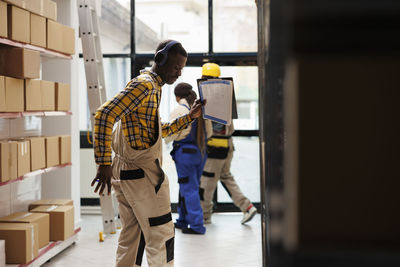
x,y
137,107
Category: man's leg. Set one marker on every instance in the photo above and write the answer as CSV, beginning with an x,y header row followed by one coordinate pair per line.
x,y
151,204
208,184
131,241
230,185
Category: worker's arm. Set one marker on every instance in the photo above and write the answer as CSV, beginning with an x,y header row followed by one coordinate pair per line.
x,y
178,111
182,122
106,116
125,102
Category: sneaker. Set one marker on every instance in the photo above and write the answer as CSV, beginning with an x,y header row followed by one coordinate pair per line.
x,y
190,231
207,220
249,214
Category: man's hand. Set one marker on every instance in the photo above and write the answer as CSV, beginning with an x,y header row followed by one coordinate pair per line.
x,y
103,177
196,111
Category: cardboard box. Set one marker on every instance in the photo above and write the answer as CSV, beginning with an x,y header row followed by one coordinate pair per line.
x,y
18,3
35,6
60,37
65,149
9,158
52,151
54,35
63,97
2,94
3,20
23,157
38,153
48,95
68,40
51,202
38,30
18,24
22,244
33,95
50,9
61,221
4,162
19,62
14,96
41,219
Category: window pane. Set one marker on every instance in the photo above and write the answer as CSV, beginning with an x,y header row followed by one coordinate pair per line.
x,y
116,74
184,21
235,26
114,26
245,169
245,81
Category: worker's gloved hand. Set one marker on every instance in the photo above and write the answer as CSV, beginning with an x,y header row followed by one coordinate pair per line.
x,y
196,110
103,179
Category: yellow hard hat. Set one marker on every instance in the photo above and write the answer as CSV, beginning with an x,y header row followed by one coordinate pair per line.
x,y
211,69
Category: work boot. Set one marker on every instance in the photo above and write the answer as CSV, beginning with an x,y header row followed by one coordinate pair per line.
x,y
249,214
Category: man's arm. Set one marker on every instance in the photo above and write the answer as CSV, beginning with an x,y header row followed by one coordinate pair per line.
x,y
178,111
110,112
182,122
106,116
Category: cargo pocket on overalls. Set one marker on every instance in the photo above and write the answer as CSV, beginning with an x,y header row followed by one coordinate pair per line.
x,y
134,182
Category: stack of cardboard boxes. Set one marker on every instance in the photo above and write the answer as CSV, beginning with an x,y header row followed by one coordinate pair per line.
x,y
35,22
32,26
31,22
27,232
21,156
18,94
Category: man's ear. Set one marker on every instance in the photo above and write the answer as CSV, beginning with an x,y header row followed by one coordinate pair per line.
x,y
158,58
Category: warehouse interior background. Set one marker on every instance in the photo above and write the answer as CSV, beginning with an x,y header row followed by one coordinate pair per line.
x,y
316,141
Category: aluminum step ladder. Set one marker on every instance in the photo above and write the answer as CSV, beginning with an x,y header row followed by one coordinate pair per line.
x,y
94,70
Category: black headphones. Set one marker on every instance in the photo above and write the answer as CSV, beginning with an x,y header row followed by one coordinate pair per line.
x,y
162,55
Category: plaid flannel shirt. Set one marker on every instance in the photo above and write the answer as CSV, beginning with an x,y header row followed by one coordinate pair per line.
x,y
137,107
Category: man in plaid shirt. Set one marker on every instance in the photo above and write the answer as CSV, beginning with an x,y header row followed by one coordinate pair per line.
x,y
141,186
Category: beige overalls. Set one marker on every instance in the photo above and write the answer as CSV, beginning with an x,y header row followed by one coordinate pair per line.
x,y
219,170
142,190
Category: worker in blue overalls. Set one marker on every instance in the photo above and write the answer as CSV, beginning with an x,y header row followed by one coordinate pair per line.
x,y
189,154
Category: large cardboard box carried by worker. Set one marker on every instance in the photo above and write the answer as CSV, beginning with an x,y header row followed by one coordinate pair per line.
x,y
25,62
61,221
33,95
22,243
51,202
38,152
42,220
